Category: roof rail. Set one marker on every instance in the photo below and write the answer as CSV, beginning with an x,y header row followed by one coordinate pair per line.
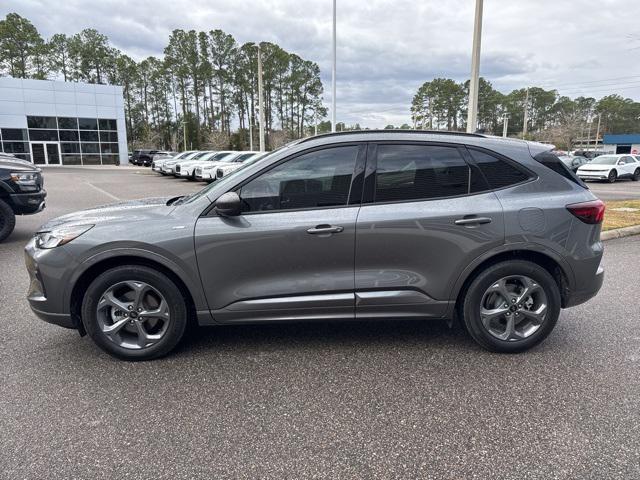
x,y
429,132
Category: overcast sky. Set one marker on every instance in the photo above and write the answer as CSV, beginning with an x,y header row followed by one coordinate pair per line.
x,y
387,48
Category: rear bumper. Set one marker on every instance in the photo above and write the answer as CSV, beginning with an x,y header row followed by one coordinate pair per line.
x,y
578,297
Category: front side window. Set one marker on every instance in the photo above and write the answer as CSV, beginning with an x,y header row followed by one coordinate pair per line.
x,y
420,172
312,180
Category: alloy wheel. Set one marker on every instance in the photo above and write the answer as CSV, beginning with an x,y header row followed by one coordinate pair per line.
x,y
513,308
133,314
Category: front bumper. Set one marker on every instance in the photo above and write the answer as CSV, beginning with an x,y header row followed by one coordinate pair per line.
x,y
46,268
574,298
28,203
593,176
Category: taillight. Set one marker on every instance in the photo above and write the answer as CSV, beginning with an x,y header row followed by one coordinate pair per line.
x,y
589,212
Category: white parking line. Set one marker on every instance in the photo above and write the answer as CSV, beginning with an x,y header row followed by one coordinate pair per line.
x,y
103,191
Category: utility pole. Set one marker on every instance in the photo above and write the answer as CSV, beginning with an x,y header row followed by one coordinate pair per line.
x,y
589,134
526,114
315,129
333,74
505,125
597,134
184,134
250,135
472,111
260,99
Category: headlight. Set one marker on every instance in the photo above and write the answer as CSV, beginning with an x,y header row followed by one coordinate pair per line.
x,y
21,178
60,235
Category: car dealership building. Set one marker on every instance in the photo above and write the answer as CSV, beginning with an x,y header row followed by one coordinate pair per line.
x,y
62,123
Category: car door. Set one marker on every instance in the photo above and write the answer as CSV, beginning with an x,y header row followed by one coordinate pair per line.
x,y
629,166
426,214
290,254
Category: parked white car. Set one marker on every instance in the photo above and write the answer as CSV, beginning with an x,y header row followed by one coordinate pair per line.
x,y
169,165
239,162
611,168
207,172
157,163
187,168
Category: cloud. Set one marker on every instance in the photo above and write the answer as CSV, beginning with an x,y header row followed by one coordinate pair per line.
x,y
387,48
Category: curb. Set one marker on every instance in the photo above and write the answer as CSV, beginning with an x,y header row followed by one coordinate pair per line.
x,y
620,233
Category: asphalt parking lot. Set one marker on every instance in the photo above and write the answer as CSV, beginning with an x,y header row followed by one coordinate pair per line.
x,y
355,400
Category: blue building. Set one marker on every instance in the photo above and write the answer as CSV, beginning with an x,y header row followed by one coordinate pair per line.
x,y
622,143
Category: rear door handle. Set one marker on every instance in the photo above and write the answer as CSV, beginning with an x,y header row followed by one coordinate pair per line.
x,y
320,229
473,221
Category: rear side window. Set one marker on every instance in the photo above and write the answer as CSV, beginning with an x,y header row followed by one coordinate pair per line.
x,y
499,173
551,161
419,172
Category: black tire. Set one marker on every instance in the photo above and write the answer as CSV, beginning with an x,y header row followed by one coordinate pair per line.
x,y
477,288
613,176
170,291
7,220
636,175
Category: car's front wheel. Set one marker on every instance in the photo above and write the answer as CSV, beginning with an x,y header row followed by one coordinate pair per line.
x,y
7,220
134,313
613,176
511,306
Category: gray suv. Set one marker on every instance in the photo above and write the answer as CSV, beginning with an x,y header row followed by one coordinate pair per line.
x,y
363,225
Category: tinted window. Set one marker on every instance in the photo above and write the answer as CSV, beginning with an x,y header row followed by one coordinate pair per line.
x,y
14,134
90,148
43,135
413,172
15,147
42,122
67,123
108,137
68,136
88,123
107,124
70,147
313,180
89,136
552,162
499,173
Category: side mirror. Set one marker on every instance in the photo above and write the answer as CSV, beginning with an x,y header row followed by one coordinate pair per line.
x,y
228,205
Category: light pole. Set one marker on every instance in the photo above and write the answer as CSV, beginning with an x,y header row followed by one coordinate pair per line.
x,y
184,134
525,120
597,134
260,99
333,74
472,111
505,125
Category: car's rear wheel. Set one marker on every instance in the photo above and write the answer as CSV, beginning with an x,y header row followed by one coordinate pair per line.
x,y
7,220
613,176
511,306
134,313
636,175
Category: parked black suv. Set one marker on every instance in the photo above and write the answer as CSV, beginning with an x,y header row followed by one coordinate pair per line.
x,y
21,192
143,157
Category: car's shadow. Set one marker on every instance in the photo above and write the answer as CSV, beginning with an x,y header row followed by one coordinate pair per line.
x,y
325,335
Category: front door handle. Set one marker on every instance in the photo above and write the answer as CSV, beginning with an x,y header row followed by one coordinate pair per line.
x,y
473,221
324,229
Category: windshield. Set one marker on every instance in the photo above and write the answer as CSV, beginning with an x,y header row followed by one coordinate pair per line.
x,y
219,156
243,157
604,160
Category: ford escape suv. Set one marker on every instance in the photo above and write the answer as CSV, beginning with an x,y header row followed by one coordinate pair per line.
x,y
357,225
